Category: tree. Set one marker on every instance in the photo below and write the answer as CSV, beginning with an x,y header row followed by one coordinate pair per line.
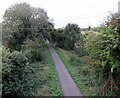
x,y
16,25
24,28
72,35
67,37
89,28
22,21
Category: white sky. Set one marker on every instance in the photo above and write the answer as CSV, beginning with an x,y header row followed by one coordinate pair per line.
x,y
81,12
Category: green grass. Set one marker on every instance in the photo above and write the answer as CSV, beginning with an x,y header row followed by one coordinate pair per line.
x,y
82,74
54,80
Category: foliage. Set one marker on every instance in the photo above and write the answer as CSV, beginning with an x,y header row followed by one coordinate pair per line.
x,y
6,68
11,79
67,37
105,47
20,77
33,49
72,32
15,24
90,45
22,21
82,73
112,20
57,37
24,28
80,51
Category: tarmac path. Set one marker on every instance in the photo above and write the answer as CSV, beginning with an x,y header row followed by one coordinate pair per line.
x,y
68,85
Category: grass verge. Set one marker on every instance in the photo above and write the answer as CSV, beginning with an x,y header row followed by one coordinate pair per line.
x,y
83,74
55,87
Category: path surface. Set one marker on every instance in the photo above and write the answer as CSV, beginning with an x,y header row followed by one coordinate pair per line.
x,y
68,85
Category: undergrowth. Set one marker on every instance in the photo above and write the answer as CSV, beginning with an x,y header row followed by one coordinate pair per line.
x,y
82,73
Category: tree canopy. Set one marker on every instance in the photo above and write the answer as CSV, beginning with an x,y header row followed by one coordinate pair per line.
x,y
22,21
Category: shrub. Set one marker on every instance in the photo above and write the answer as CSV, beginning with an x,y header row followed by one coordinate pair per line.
x,y
12,80
19,77
33,50
80,51
105,48
6,68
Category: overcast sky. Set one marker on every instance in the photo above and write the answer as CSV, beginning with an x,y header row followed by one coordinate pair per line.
x,y
81,12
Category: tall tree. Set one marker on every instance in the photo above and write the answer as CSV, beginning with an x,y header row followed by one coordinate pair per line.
x,y
16,25
72,33
22,21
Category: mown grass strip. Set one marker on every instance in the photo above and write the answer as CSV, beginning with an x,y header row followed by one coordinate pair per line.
x,y
73,70
55,86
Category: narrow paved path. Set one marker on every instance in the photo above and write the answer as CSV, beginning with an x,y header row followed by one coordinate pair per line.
x,y
68,85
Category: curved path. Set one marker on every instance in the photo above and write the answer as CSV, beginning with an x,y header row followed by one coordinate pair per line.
x,y
68,85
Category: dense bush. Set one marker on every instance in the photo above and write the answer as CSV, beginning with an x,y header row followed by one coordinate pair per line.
x,y
105,48
90,46
57,37
14,65
33,50
20,77
22,70
80,51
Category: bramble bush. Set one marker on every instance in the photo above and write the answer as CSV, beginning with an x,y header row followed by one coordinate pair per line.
x,y
105,48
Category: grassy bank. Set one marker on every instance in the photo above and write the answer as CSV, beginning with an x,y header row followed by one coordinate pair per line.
x,y
82,73
55,88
